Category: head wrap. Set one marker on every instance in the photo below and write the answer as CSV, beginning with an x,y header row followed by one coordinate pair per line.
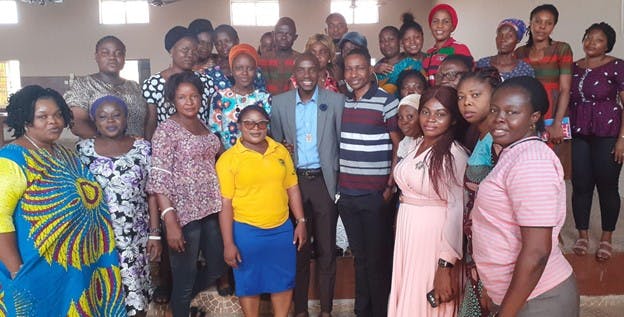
x,y
446,8
200,26
412,100
355,38
175,34
243,48
108,99
517,24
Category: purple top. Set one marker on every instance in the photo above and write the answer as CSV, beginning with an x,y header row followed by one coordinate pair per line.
x,y
593,99
183,169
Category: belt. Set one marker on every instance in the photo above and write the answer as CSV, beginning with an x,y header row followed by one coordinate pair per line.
x,y
310,173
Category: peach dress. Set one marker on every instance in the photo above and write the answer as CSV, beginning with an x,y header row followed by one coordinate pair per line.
x,y
429,227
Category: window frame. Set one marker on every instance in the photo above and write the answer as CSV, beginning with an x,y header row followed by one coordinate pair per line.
x,y
257,12
13,17
128,17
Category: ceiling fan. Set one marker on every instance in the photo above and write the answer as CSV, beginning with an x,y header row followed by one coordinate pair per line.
x,y
160,3
42,2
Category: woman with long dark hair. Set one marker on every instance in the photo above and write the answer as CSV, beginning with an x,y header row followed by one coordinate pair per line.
x,y
429,223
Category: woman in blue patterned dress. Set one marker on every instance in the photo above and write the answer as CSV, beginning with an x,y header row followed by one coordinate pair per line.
x,y
120,164
228,103
58,251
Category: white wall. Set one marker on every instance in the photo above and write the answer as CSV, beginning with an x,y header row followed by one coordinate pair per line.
x,y
478,20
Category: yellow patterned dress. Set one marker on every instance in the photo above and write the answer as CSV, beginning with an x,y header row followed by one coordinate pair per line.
x,y
55,209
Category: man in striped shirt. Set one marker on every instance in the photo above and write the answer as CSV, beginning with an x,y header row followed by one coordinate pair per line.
x,y
368,141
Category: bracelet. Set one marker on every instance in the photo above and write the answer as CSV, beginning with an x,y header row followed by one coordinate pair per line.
x,y
155,230
443,263
153,238
300,220
164,212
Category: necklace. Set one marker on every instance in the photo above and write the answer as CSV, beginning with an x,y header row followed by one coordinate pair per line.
x,y
32,142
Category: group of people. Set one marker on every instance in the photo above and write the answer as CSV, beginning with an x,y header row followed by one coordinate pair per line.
x,y
447,174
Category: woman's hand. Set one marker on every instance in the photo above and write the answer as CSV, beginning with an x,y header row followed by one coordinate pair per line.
x,y
618,151
154,249
383,68
443,285
231,255
175,238
555,133
300,235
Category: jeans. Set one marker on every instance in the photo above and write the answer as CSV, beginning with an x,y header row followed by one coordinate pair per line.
x,y
203,234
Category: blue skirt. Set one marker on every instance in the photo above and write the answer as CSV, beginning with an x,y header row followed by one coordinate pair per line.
x,y
268,259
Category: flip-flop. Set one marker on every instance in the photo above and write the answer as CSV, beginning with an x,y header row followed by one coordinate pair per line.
x,y
604,251
580,246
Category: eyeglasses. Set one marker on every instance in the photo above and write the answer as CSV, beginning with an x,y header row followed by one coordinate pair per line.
x,y
452,75
261,125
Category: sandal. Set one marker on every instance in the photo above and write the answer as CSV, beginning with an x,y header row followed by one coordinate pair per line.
x,y
604,251
161,295
580,246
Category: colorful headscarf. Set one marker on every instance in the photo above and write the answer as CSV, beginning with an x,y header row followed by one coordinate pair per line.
x,y
446,8
412,100
242,49
108,99
517,24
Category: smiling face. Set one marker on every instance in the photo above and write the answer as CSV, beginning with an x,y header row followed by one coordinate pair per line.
x,y
184,53
542,25
441,26
506,39
253,127
595,43
306,75
223,43
412,41
473,98
244,71
512,116
110,120
110,57
434,118
408,121
187,100
389,43
357,72
48,123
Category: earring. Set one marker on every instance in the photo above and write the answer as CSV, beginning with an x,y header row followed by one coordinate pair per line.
x,y
532,127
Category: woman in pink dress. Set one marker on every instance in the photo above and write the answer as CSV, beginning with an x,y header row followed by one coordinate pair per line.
x,y
429,223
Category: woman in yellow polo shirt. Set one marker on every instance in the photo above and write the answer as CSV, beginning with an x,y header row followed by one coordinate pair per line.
x,y
258,183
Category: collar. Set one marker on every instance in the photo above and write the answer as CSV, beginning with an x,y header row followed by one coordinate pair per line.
x,y
370,93
450,41
240,148
313,99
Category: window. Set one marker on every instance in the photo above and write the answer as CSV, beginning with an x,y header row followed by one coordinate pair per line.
x,y
357,11
124,11
136,69
9,80
8,12
254,12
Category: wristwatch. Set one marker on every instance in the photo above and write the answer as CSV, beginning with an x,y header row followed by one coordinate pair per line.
x,y
302,219
443,263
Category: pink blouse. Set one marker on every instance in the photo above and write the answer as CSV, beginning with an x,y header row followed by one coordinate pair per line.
x,y
183,169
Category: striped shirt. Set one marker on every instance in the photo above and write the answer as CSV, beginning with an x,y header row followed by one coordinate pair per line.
x,y
525,189
365,144
277,71
436,56
557,61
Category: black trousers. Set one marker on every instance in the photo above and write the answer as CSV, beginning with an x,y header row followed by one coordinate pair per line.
x,y
593,166
205,235
367,222
321,214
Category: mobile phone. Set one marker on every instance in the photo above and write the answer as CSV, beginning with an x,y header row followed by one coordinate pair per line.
x,y
431,298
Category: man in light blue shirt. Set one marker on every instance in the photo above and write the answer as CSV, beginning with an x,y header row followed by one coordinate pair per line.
x,y
307,120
